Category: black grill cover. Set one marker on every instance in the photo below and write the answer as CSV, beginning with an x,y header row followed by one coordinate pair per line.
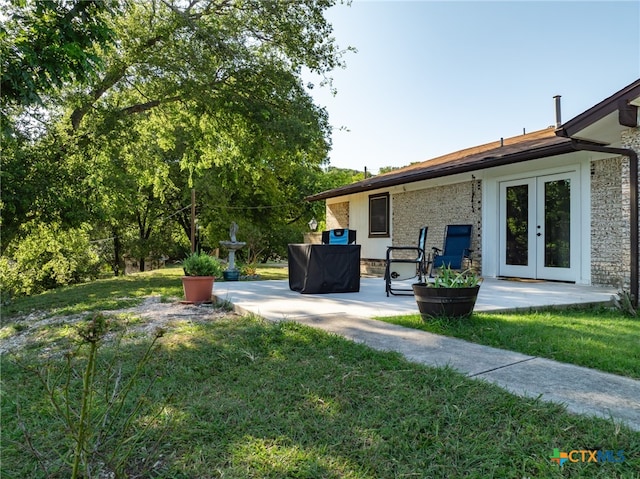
x,y
316,268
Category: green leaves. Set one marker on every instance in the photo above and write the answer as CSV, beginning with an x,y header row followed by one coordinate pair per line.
x,y
46,44
448,278
201,264
141,101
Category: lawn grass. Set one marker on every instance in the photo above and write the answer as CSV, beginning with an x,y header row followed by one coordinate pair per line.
x,y
599,338
243,398
114,293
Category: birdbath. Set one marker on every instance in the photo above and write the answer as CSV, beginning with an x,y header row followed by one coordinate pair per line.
x,y
232,273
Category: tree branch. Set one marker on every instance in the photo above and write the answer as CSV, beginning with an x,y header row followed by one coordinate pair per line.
x,y
142,107
112,77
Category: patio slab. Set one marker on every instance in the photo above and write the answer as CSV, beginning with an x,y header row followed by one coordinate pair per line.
x,y
274,300
581,390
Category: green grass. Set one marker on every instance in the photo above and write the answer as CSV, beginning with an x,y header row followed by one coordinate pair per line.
x,y
597,338
243,398
100,295
113,293
268,272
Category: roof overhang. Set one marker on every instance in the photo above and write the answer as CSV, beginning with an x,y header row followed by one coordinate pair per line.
x,y
601,124
604,122
503,155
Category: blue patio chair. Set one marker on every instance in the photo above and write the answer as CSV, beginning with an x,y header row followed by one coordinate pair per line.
x,y
457,241
339,236
420,259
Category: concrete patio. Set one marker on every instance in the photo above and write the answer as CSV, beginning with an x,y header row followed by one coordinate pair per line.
x,y
581,390
274,300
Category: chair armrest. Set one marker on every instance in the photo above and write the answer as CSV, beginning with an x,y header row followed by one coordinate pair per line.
x,y
404,248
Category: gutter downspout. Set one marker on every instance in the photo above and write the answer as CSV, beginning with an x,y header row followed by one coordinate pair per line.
x,y
633,194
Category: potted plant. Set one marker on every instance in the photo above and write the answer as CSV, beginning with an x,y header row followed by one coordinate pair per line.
x,y
200,271
452,294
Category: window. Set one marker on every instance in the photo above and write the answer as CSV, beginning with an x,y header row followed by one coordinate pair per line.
x,y
379,216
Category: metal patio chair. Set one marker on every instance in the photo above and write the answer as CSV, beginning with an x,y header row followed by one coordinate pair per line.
x,y
394,269
457,241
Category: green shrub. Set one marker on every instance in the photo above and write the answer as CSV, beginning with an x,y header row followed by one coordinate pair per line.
x,y
202,264
46,257
449,278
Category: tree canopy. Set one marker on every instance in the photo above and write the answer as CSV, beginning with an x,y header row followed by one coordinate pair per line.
x,y
108,126
45,44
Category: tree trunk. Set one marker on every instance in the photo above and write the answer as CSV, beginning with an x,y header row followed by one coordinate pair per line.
x,y
117,253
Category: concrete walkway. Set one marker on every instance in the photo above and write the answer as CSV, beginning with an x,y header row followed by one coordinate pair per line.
x,y
581,390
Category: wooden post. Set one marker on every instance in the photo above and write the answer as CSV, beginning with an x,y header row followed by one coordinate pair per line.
x,y
193,220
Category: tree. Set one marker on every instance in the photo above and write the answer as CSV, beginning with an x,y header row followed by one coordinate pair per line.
x,y
241,130
205,94
387,169
44,44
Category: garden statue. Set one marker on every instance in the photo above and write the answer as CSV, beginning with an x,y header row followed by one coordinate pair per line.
x,y
232,232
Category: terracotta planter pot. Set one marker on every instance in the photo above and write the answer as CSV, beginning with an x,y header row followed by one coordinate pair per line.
x,y
198,289
445,302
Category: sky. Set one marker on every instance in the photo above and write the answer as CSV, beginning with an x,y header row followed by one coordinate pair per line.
x,y
430,78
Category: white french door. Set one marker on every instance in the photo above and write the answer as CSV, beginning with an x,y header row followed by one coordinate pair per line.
x,y
539,224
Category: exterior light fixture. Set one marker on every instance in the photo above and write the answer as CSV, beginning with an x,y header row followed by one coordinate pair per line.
x,y
313,224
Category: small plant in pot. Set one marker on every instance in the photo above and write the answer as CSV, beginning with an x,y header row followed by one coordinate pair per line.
x,y
452,294
200,271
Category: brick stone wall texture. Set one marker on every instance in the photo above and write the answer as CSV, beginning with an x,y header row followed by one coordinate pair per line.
x,y
337,215
437,207
610,217
608,231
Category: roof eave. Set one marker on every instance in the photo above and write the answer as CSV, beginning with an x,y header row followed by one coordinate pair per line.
x,y
445,170
618,101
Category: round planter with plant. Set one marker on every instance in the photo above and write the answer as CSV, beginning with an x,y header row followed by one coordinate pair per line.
x,y
200,271
452,294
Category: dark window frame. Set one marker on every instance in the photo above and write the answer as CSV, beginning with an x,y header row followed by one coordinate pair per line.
x,y
383,232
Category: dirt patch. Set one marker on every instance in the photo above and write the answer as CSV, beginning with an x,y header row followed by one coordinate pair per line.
x,y
151,315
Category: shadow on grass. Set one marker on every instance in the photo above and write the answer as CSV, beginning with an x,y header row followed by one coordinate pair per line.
x,y
112,293
246,398
104,294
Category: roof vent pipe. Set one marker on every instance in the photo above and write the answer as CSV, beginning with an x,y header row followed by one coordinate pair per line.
x,y
558,113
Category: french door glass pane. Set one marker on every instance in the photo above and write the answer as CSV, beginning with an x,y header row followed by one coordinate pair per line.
x,y
557,222
517,225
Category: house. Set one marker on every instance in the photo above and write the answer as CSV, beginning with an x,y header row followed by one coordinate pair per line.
x,y
556,204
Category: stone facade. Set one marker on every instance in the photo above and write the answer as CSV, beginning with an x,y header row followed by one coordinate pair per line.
x,y
337,215
459,203
610,217
312,238
372,267
608,232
